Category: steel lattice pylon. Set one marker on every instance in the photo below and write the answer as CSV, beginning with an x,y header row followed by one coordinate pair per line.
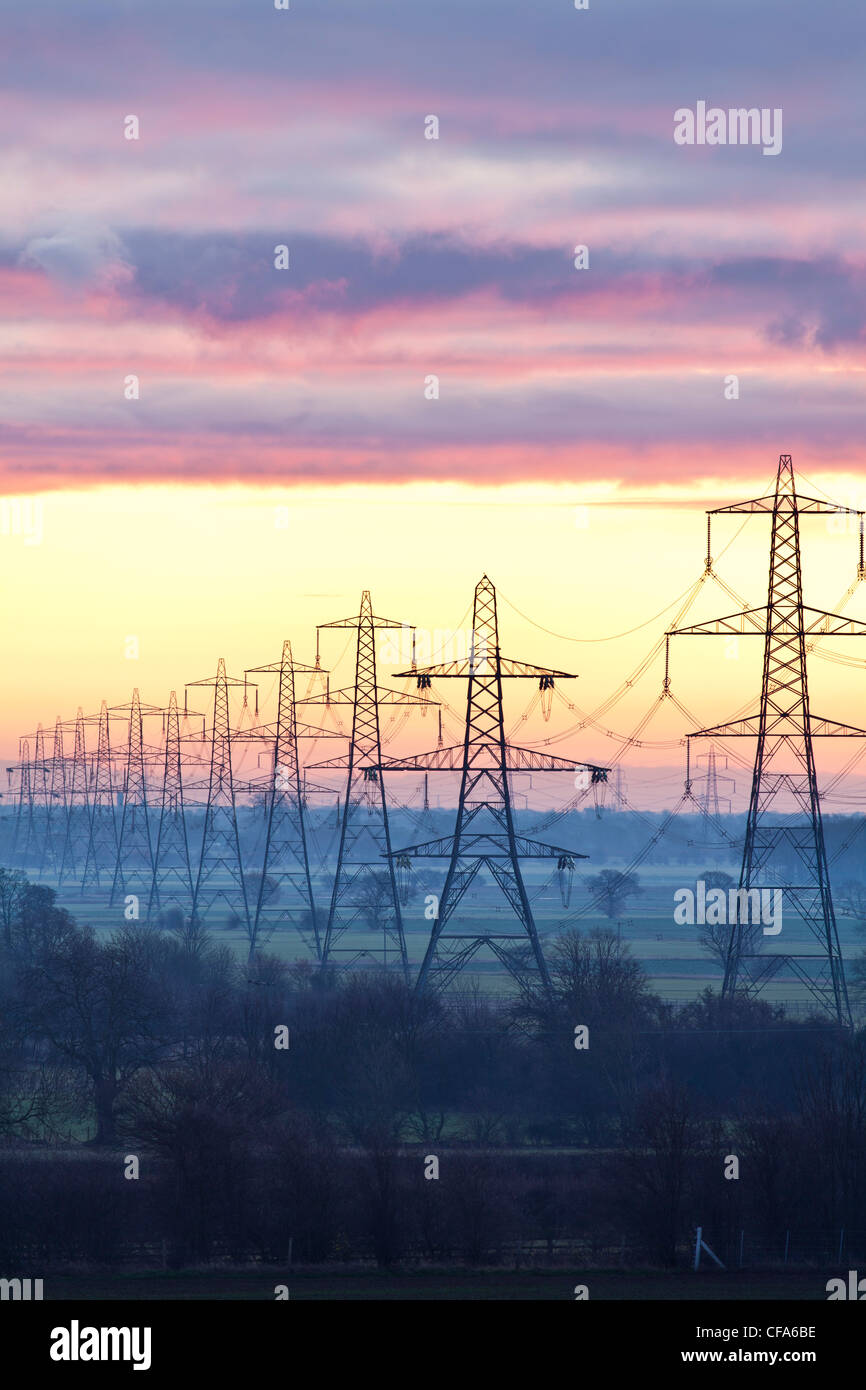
x,y
133,870
41,799
365,894
285,891
102,841
712,798
25,842
55,820
784,763
171,885
484,834
220,874
77,833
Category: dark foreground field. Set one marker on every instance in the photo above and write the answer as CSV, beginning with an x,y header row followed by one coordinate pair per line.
x,y
460,1285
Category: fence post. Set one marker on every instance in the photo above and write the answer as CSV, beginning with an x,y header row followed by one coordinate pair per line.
x,y
700,1244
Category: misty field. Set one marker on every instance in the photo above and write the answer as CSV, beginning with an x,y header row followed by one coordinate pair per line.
x,y
677,966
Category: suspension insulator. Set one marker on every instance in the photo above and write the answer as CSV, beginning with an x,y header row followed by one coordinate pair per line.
x,y
404,878
565,869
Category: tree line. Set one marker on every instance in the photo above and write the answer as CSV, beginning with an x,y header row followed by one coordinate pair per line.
x,y
270,1106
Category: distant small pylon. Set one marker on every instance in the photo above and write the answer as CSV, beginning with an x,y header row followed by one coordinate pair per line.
x,y
365,897
220,876
171,885
55,820
284,895
133,869
77,835
102,842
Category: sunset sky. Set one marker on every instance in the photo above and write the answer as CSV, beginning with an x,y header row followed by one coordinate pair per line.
x,y
282,455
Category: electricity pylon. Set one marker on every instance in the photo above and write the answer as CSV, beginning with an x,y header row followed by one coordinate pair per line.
x,y
77,833
40,779
24,844
102,841
284,896
133,869
365,894
171,884
711,798
784,765
484,834
55,819
220,875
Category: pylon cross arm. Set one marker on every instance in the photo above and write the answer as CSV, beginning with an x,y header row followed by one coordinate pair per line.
x,y
485,756
817,506
384,696
484,666
756,504
731,622
373,620
844,627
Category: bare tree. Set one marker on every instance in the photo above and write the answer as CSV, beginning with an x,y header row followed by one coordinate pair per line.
x,y
851,898
613,889
36,926
661,1142
189,931
596,977
12,886
103,1007
832,1104
205,1120
374,894
270,891
599,986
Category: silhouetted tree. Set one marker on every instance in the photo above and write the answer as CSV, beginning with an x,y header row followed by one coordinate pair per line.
x,y
103,1007
715,937
613,889
205,1119
661,1141
12,886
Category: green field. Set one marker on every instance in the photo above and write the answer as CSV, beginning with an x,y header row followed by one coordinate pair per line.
x,y
679,969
